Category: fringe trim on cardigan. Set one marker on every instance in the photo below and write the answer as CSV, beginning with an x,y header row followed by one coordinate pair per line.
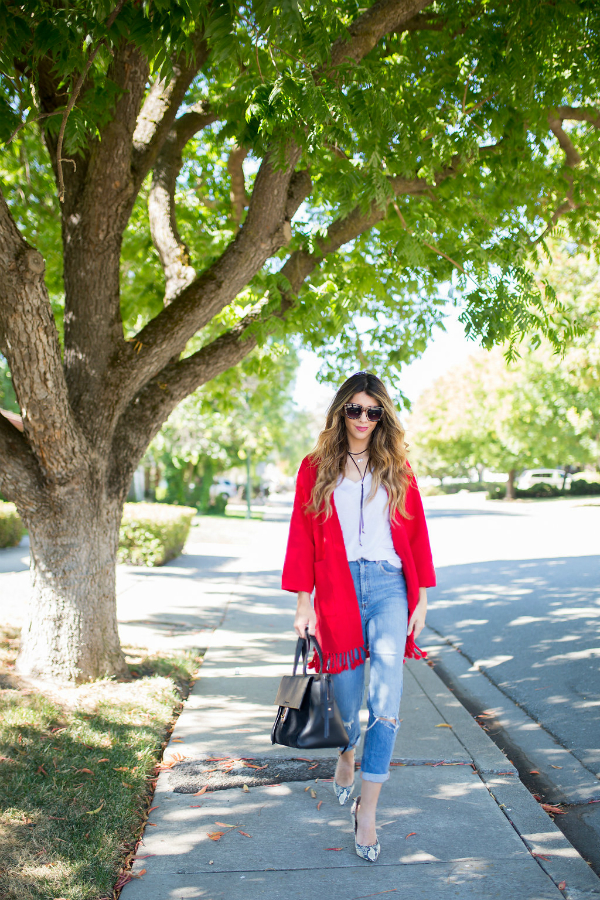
x,y
334,663
350,659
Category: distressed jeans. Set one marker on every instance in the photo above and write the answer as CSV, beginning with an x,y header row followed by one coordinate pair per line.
x,y
381,592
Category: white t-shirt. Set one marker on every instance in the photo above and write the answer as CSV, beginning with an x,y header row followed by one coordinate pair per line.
x,y
377,535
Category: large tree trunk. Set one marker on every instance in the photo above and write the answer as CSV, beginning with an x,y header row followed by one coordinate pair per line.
x,y
71,624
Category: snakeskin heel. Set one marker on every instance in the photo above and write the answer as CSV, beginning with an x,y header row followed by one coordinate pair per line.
x,y
342,793
370,852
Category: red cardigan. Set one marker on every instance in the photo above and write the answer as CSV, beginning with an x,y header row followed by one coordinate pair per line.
x,y
316,559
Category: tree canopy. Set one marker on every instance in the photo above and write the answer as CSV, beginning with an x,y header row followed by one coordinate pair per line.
x,y
541,410
185,181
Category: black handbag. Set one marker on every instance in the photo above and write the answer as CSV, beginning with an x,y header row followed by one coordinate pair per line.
x,y
308,716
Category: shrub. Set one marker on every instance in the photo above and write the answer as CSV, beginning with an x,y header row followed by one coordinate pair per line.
x,y
153,533
496,492
581,487
541,490
11,526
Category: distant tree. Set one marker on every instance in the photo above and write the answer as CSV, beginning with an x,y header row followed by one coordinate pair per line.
x,y
238,413
504,416
183,179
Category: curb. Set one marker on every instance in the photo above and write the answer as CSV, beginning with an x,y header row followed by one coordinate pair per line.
x,y
538,831
521,735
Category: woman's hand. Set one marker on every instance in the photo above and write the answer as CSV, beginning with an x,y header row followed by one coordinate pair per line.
x,y
417,620
305,615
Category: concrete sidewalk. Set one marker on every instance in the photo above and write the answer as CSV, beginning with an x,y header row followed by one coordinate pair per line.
x,y
454,819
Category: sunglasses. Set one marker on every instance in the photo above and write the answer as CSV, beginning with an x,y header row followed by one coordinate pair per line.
x,y
355,411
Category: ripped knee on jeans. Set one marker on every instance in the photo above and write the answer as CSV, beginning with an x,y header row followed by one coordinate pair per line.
x,y
391,723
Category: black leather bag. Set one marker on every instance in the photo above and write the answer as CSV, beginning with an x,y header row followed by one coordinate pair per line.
x,y
308,716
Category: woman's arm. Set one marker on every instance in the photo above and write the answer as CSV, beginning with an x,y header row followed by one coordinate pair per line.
x,y
299,565
305,615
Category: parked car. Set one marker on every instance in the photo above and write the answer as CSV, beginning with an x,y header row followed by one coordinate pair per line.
x,y
222,486
531,477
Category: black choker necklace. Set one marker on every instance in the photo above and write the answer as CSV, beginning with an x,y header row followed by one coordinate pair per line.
x,y
366,450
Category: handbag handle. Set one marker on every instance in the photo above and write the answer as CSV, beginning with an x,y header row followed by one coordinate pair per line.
x,y
303,649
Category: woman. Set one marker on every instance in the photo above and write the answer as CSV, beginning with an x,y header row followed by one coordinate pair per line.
x,y
358,537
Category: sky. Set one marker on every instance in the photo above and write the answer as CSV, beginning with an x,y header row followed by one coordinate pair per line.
x,y
446,349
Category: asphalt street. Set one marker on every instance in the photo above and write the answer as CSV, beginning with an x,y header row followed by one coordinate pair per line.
x,y
519,593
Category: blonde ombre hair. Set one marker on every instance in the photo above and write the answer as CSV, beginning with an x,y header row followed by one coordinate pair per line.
x,y
387,451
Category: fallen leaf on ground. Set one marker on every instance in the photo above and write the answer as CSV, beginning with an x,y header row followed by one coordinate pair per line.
x,y
443,725
41,771
244,833
104,759
555,767
410,834
215,835
319,805
201,791
116,769
313,767
246,789
154,825
304,758
251,766
540,856
550,808
225,825
534,772
195,805
153,807
92,812
562,885
178,740
333,848
307,788
313,794
146,856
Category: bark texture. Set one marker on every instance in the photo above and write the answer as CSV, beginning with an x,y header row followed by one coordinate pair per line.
x,y
71,632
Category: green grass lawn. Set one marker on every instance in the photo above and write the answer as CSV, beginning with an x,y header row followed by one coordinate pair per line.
x,y
77,772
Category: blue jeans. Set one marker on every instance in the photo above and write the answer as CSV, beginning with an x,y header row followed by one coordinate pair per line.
x,y
381,592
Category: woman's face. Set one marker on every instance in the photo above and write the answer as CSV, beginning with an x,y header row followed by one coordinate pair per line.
x,y
361,429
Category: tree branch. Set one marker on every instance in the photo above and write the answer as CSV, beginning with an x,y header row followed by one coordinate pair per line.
x,y
366,31
579,114
161,106
237,192
142,420
95,214
73,99
572,160
173,253
266,229
20,477
33,353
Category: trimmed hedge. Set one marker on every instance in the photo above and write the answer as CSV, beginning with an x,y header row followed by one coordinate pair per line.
x,y
579,488
153,533
11,526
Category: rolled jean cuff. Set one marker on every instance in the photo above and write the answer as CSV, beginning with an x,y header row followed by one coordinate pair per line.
x,y
350,746
369,776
